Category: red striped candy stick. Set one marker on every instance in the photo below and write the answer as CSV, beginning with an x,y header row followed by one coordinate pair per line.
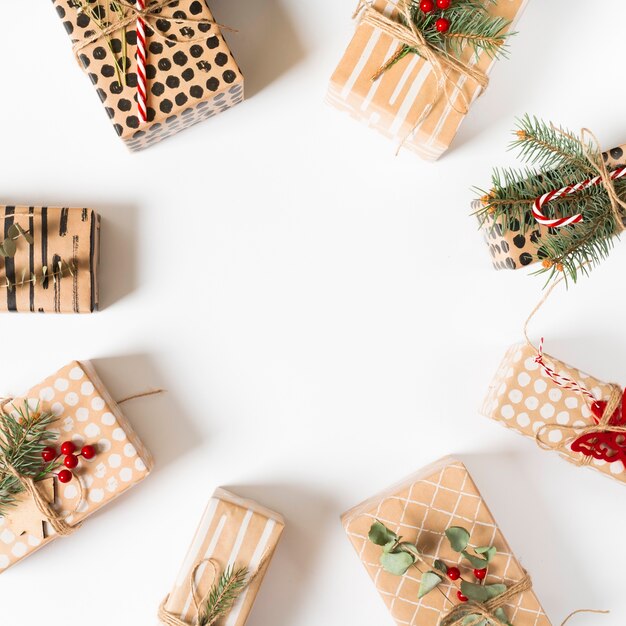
x,y
567,191
141,64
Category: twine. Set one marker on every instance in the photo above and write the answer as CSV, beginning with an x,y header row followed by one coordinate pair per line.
x,y
143,394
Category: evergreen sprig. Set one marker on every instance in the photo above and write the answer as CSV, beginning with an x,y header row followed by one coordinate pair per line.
x,y
223,595
556,158
22,440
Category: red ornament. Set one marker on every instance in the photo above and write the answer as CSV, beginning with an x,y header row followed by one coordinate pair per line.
x,y
460,596
88,452
427,6
70,461
65,476
480,574
48,454
453,573
68,447
443,4
442,25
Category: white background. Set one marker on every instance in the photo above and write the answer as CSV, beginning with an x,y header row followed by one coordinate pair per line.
x,y
323,314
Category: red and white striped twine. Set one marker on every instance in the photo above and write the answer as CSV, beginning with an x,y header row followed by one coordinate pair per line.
x,y
561,381
141,64
567,191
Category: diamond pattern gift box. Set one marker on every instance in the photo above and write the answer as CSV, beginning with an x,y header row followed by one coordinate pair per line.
x,y
86,415
190,71
234,532
421,509
394,103
524,398
58,271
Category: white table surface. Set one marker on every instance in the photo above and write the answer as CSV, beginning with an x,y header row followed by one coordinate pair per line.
x,y
323,314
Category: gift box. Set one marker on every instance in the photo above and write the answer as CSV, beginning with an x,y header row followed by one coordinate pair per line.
x,y
85,415
49,259
395,102
515,243
523,396
420,510
190,72
234,533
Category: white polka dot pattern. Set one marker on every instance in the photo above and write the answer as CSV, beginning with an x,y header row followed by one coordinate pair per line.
x,y
524,398
87,414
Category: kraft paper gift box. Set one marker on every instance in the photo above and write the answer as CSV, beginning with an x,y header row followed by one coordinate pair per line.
x,y
524,398
394,103
233,532
190,71
420,509
514,245
87,414
66,242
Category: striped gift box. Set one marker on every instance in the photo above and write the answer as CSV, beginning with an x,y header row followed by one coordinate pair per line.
x,y
233,532
420,509
61,237
394,103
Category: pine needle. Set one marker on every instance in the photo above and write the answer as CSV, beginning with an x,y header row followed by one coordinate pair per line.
x,y
223,595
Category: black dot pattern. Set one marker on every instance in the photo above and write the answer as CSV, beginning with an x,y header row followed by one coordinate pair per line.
x,y
188,81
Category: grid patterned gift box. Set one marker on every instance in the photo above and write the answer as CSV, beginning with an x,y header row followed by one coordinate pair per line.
x,y
524,398
394,103
87,414
420,509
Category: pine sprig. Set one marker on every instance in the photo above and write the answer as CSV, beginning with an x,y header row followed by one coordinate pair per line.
x,y
556,158
22,439
223,595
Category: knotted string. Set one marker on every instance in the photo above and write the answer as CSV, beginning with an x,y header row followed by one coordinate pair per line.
x,y
444,65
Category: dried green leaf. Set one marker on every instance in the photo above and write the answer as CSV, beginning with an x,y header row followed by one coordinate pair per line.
x,y
476,562
29,238
396,562
458,538
429,581
9,247
441,566
481,593
488,552
13,231
381,535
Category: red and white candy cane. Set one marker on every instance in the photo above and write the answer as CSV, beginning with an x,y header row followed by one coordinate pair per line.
x,y
567,191
141,64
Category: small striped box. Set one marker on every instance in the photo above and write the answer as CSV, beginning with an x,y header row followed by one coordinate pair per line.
x,y
58,271
233,532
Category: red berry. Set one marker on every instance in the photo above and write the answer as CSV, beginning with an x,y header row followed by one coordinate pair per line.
x,y
460,596
88,452
70,461
442,25
427,6
68,447
443,4
48,454
481,574
65,476
454,573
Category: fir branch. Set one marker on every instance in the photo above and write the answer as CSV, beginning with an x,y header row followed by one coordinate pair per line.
x,y
223,595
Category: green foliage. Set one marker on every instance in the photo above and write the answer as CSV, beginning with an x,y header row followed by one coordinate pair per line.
x,y
8,246
46,274
223,595
22,439
556,158
458,538
429,581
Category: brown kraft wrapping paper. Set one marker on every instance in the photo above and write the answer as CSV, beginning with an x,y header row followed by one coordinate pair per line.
x,y
188,80
233,532
394,103
523,398
519,245
420,509
87,415
70,236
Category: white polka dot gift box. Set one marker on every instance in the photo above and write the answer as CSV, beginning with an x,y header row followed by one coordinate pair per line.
x,y
234,542
412,83
436,555
561,408
158,66
91,456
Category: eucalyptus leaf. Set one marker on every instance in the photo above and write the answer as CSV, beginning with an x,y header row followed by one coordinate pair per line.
x,y
501,615
441,566
476,562
29,238
458,538
9,247
430,580
487,551
2,252
13,231
481,593
474,620
381,535
396,562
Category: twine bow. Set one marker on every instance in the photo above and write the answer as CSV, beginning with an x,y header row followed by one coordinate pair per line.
x,y
444,65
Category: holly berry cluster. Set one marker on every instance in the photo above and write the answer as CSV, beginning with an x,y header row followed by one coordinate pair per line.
x,y
68,450
428,6
454,573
